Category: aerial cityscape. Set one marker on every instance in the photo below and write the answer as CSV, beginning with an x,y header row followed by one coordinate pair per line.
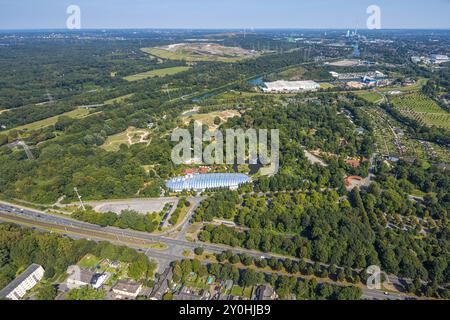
x,y
197,162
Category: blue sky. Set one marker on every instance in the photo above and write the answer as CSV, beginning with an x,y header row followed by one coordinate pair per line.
x,y
38,14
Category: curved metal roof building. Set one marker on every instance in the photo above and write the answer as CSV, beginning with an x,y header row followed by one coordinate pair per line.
x,y
202,182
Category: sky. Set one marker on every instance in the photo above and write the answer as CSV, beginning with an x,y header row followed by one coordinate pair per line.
x,y
225,14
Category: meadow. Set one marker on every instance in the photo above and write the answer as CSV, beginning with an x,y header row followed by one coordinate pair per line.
x,y
76,114
119,99
156,73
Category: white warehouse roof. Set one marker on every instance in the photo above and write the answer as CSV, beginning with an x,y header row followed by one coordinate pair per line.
x,y
200,182
290,86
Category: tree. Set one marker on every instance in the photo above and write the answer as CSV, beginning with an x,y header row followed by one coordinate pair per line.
x,y
86,293
349,293
47,292
248,278
168,296
199,251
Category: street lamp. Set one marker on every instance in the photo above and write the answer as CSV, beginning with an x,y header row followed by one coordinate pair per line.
x,y
79,198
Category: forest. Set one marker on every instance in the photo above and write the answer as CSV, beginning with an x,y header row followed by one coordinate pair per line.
x,y
377,226
285,286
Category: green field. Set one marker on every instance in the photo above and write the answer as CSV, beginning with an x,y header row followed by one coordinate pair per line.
x,y
76,114
295,73
422,109
119,99
156,73
369,96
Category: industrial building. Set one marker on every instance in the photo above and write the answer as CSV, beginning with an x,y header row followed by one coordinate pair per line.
x,y
290,86
17,288
202,182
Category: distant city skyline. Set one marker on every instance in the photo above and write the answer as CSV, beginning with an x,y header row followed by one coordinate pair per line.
x,y
230,14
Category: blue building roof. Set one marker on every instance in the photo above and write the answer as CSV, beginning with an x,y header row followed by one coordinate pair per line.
x,y
207,181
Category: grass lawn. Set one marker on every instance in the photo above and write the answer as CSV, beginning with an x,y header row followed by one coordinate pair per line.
x,y
236,291
156,73
119,99
248,292
89,261
371,97
241,292
76,114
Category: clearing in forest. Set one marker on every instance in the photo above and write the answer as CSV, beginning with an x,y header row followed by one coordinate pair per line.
x,y
119,99
129,137
76,114
208,118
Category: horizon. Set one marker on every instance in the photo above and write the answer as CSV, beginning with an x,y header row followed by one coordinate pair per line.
x,y
229,29
210,15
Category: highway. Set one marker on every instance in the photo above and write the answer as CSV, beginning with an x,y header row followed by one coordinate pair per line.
x,y
145,242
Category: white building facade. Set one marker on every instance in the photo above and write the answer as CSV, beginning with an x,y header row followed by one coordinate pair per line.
x,y
17,289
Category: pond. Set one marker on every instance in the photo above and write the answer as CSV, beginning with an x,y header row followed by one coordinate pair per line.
x,y
256,81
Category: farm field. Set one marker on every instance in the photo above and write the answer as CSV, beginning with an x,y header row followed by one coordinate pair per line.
x,y
129,137
421,108
76,114
194,52
156,73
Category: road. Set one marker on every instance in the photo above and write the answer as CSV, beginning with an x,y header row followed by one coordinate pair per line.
x,y
145,242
